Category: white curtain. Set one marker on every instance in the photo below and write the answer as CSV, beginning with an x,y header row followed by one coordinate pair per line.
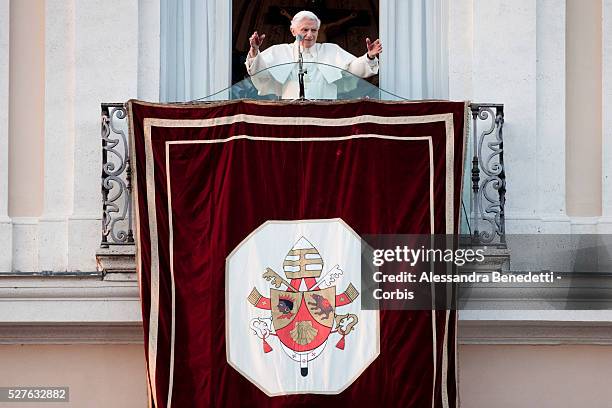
x,y
414,63
195,48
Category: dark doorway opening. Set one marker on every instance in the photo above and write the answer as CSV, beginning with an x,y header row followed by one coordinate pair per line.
x,y
344,22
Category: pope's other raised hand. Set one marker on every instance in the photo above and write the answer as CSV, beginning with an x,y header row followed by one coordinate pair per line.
x,y
255,41
374,48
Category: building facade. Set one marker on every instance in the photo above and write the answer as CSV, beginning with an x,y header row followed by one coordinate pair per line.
x,y
548,61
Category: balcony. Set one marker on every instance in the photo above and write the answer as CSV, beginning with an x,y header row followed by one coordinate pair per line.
x,y
482,207
484,183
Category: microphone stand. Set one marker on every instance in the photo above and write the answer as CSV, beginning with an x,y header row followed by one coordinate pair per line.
x,y
301,70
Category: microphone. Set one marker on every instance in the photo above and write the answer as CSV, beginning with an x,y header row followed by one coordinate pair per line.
x,y
301,70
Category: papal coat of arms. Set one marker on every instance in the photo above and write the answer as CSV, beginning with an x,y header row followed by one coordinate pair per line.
x,y
293,321
304,313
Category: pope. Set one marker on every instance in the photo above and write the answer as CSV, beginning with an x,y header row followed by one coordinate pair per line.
x,y
322,81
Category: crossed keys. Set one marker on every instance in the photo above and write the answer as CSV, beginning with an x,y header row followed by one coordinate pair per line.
x,y
276,280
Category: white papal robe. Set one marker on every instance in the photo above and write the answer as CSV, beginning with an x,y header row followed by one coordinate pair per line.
x,y
321,81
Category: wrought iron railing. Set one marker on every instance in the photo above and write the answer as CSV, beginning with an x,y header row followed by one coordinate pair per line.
x,y
482,207
116,178
488,192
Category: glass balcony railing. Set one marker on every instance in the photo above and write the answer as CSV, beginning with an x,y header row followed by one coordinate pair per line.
x,y
321,82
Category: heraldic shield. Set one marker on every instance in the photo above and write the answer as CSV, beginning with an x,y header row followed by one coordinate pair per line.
x,y
303,320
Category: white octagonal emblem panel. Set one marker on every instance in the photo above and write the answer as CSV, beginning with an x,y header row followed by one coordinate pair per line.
x,y
293,318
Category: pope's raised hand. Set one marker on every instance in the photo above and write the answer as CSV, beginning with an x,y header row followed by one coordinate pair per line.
x,y
374,48
255,41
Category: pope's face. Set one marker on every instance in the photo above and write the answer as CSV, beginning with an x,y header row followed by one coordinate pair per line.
x,y
307,29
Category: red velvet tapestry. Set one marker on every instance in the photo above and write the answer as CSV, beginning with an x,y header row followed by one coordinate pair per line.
x,y
218,186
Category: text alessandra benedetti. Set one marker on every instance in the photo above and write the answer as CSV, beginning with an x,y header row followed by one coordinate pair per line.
x,y
471,277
